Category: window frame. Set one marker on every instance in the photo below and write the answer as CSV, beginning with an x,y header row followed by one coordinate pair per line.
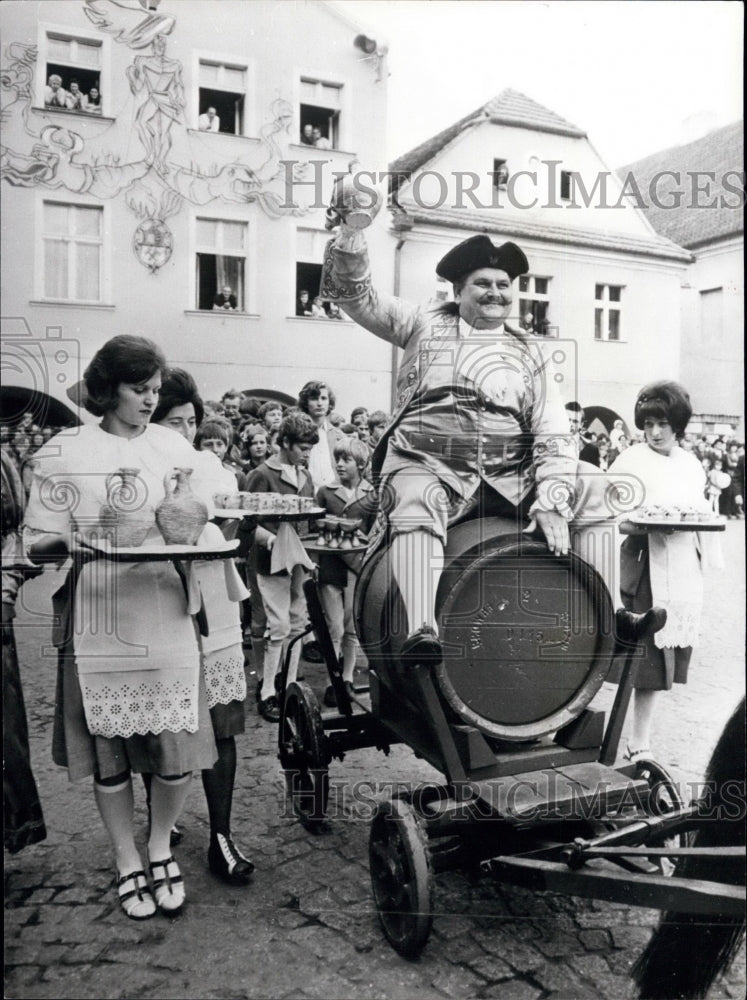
x,y
199,56
248,256
341,82
44,29
531,295
498,163
321,237
70,199
605,306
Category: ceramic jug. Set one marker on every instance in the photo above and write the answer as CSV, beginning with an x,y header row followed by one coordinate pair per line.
x,y
181,515
126,516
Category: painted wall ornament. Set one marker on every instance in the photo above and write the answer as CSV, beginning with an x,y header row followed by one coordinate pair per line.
x,y
167,166
153,244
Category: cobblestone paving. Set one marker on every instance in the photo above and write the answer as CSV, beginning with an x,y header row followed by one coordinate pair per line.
x,y
306,927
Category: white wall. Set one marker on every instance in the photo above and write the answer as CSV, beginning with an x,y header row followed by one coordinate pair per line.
x,y
268,347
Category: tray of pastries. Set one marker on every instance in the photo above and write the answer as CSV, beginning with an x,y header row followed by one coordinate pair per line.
x,y
672,517
279,506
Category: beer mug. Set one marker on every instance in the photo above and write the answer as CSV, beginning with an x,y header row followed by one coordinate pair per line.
x,y
355,204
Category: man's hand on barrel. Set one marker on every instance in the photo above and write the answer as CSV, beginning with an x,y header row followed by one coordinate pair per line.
x,y
555,529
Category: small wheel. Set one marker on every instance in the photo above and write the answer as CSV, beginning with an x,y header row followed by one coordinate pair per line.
x,y
663,798
401,876
304,756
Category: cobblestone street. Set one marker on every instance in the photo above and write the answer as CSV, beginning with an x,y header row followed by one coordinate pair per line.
x,y
307,927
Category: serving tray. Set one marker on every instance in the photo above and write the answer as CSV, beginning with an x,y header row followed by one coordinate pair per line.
x,y
162,552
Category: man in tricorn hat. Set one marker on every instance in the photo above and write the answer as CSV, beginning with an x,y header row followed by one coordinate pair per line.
x,y
478,419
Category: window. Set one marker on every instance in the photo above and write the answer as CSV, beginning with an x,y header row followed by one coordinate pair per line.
x,y
565,185
310,245
73,252
223,87
221,249
534,304
500,173
607,312
76,63
711,316
319,116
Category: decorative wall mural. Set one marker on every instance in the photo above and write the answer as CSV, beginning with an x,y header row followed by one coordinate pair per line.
x,y
147,152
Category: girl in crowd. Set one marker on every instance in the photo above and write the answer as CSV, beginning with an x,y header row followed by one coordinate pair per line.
x,y
222,658
128,695
660,569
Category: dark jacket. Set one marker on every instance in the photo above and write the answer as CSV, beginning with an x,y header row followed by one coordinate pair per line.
x,y
270,477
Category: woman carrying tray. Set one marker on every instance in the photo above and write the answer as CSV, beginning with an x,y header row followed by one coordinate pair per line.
x,y
180,408
662,568
128,687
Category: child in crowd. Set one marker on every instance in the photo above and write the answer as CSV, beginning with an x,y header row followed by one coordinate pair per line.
x,y
718,480
217,436
255,448
377,422
271,415
354,499
281,571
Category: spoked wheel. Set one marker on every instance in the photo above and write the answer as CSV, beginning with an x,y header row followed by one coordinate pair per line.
x,y
664,798
304,756
401,876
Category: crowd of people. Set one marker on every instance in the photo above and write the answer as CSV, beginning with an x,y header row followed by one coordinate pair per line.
x,y
466,437
58,94
182,712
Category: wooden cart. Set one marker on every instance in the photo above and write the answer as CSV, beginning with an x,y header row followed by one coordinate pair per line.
x,y
533,793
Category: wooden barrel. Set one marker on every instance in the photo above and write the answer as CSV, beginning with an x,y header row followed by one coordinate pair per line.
x,y
527,636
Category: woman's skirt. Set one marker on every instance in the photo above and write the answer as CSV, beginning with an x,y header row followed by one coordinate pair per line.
x,y
165,753
657,669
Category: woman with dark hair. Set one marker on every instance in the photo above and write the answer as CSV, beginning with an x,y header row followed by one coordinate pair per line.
x,y
128,690
222,658
659,568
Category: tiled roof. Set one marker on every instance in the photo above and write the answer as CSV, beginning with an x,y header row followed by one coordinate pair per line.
x,y
692,223
492,222
508,108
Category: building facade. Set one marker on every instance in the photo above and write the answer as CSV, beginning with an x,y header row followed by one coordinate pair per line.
x,y
602,281
174,164
700,205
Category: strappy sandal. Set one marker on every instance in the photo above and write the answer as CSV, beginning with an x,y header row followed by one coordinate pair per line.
x,y
134,896
168,886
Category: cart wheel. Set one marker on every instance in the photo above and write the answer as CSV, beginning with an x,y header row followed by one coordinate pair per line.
x,y
304,756
401,876
664,798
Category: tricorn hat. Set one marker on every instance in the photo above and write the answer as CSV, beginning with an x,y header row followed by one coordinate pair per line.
x,y
480,251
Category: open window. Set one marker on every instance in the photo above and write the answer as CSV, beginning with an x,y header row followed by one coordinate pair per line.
x,y
223,87
220,263
310,245
319,113
566,185
534,304
500,173
77,64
